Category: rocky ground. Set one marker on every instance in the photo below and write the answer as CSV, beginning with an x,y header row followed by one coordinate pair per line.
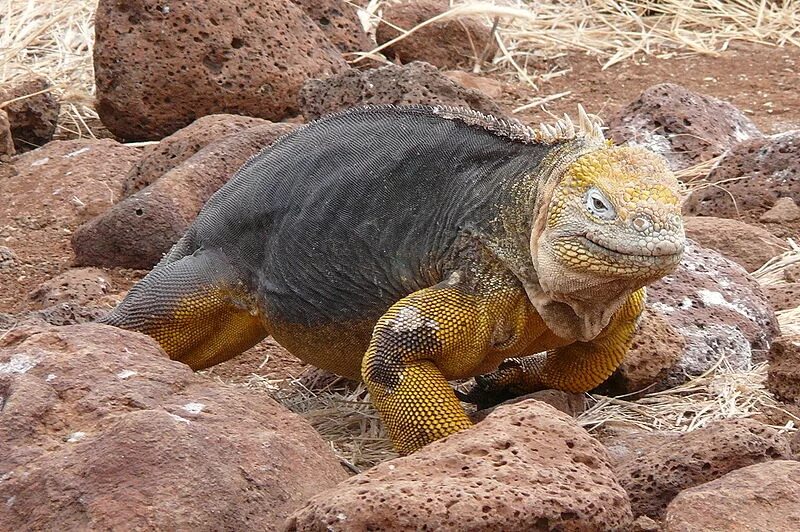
x,y
99,430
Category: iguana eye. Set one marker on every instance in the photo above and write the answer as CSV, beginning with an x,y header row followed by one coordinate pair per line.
x,y
599,205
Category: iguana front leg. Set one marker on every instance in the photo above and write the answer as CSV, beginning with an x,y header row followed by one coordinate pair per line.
x,y
577,367
425,338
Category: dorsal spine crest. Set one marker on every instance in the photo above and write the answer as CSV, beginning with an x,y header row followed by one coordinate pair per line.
x,y
589,127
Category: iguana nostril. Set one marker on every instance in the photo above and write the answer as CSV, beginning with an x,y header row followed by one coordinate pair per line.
x,y
667,248
640,223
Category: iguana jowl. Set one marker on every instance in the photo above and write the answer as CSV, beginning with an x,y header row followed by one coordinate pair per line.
x,y
409,246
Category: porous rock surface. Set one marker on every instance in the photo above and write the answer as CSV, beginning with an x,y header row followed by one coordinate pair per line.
x,y
171,151
717,308
657,347
752,177
746,244
525,467
415,83
58,314
683,126
339,21
654,467
102,431
137,231
624,443
447,43
572,404
783,375
160,66
32,119
783,296
81,286
758,497
65,183
7,257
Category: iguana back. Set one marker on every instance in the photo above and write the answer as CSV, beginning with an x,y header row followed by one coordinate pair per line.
x,y
342,218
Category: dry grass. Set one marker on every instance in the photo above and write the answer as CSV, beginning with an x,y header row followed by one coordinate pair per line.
x,y
53,39
619,29
773,274
340,412
720,393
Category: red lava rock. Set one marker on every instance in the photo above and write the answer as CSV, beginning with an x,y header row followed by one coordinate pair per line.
x,y
46,194
758,497
783,375
339,21
783,296
32,119
685,127
525,467
102,431
449,43
7,257
654,467
77,285
624,443
159,67
65,183
572,404
137,231
657,348
645,524
746,244
752,177
717,308
785,210
6,140
415,83
158,159
59,314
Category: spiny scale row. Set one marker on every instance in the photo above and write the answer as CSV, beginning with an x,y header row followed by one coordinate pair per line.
x,y
589,128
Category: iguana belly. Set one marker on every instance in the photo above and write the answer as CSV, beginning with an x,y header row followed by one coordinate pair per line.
x,y
335,347
340,347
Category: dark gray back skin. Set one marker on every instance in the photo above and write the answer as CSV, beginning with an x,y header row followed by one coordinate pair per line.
x,y
345,216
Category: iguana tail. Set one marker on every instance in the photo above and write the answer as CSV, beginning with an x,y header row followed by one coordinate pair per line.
x,y
196,306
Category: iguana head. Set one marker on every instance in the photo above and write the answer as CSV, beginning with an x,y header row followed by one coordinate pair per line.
x,y
611,224
615,213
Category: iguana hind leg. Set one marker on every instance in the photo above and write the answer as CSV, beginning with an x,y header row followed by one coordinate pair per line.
x,y
196,307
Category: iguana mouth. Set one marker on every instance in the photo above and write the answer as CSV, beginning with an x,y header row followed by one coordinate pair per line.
x,y
663,250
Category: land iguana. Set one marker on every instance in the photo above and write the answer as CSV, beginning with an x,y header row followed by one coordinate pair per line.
x,y
410,246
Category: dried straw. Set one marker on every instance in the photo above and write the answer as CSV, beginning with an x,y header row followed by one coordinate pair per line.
x,y
53,39
772,273
720,393
618,29
341,413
